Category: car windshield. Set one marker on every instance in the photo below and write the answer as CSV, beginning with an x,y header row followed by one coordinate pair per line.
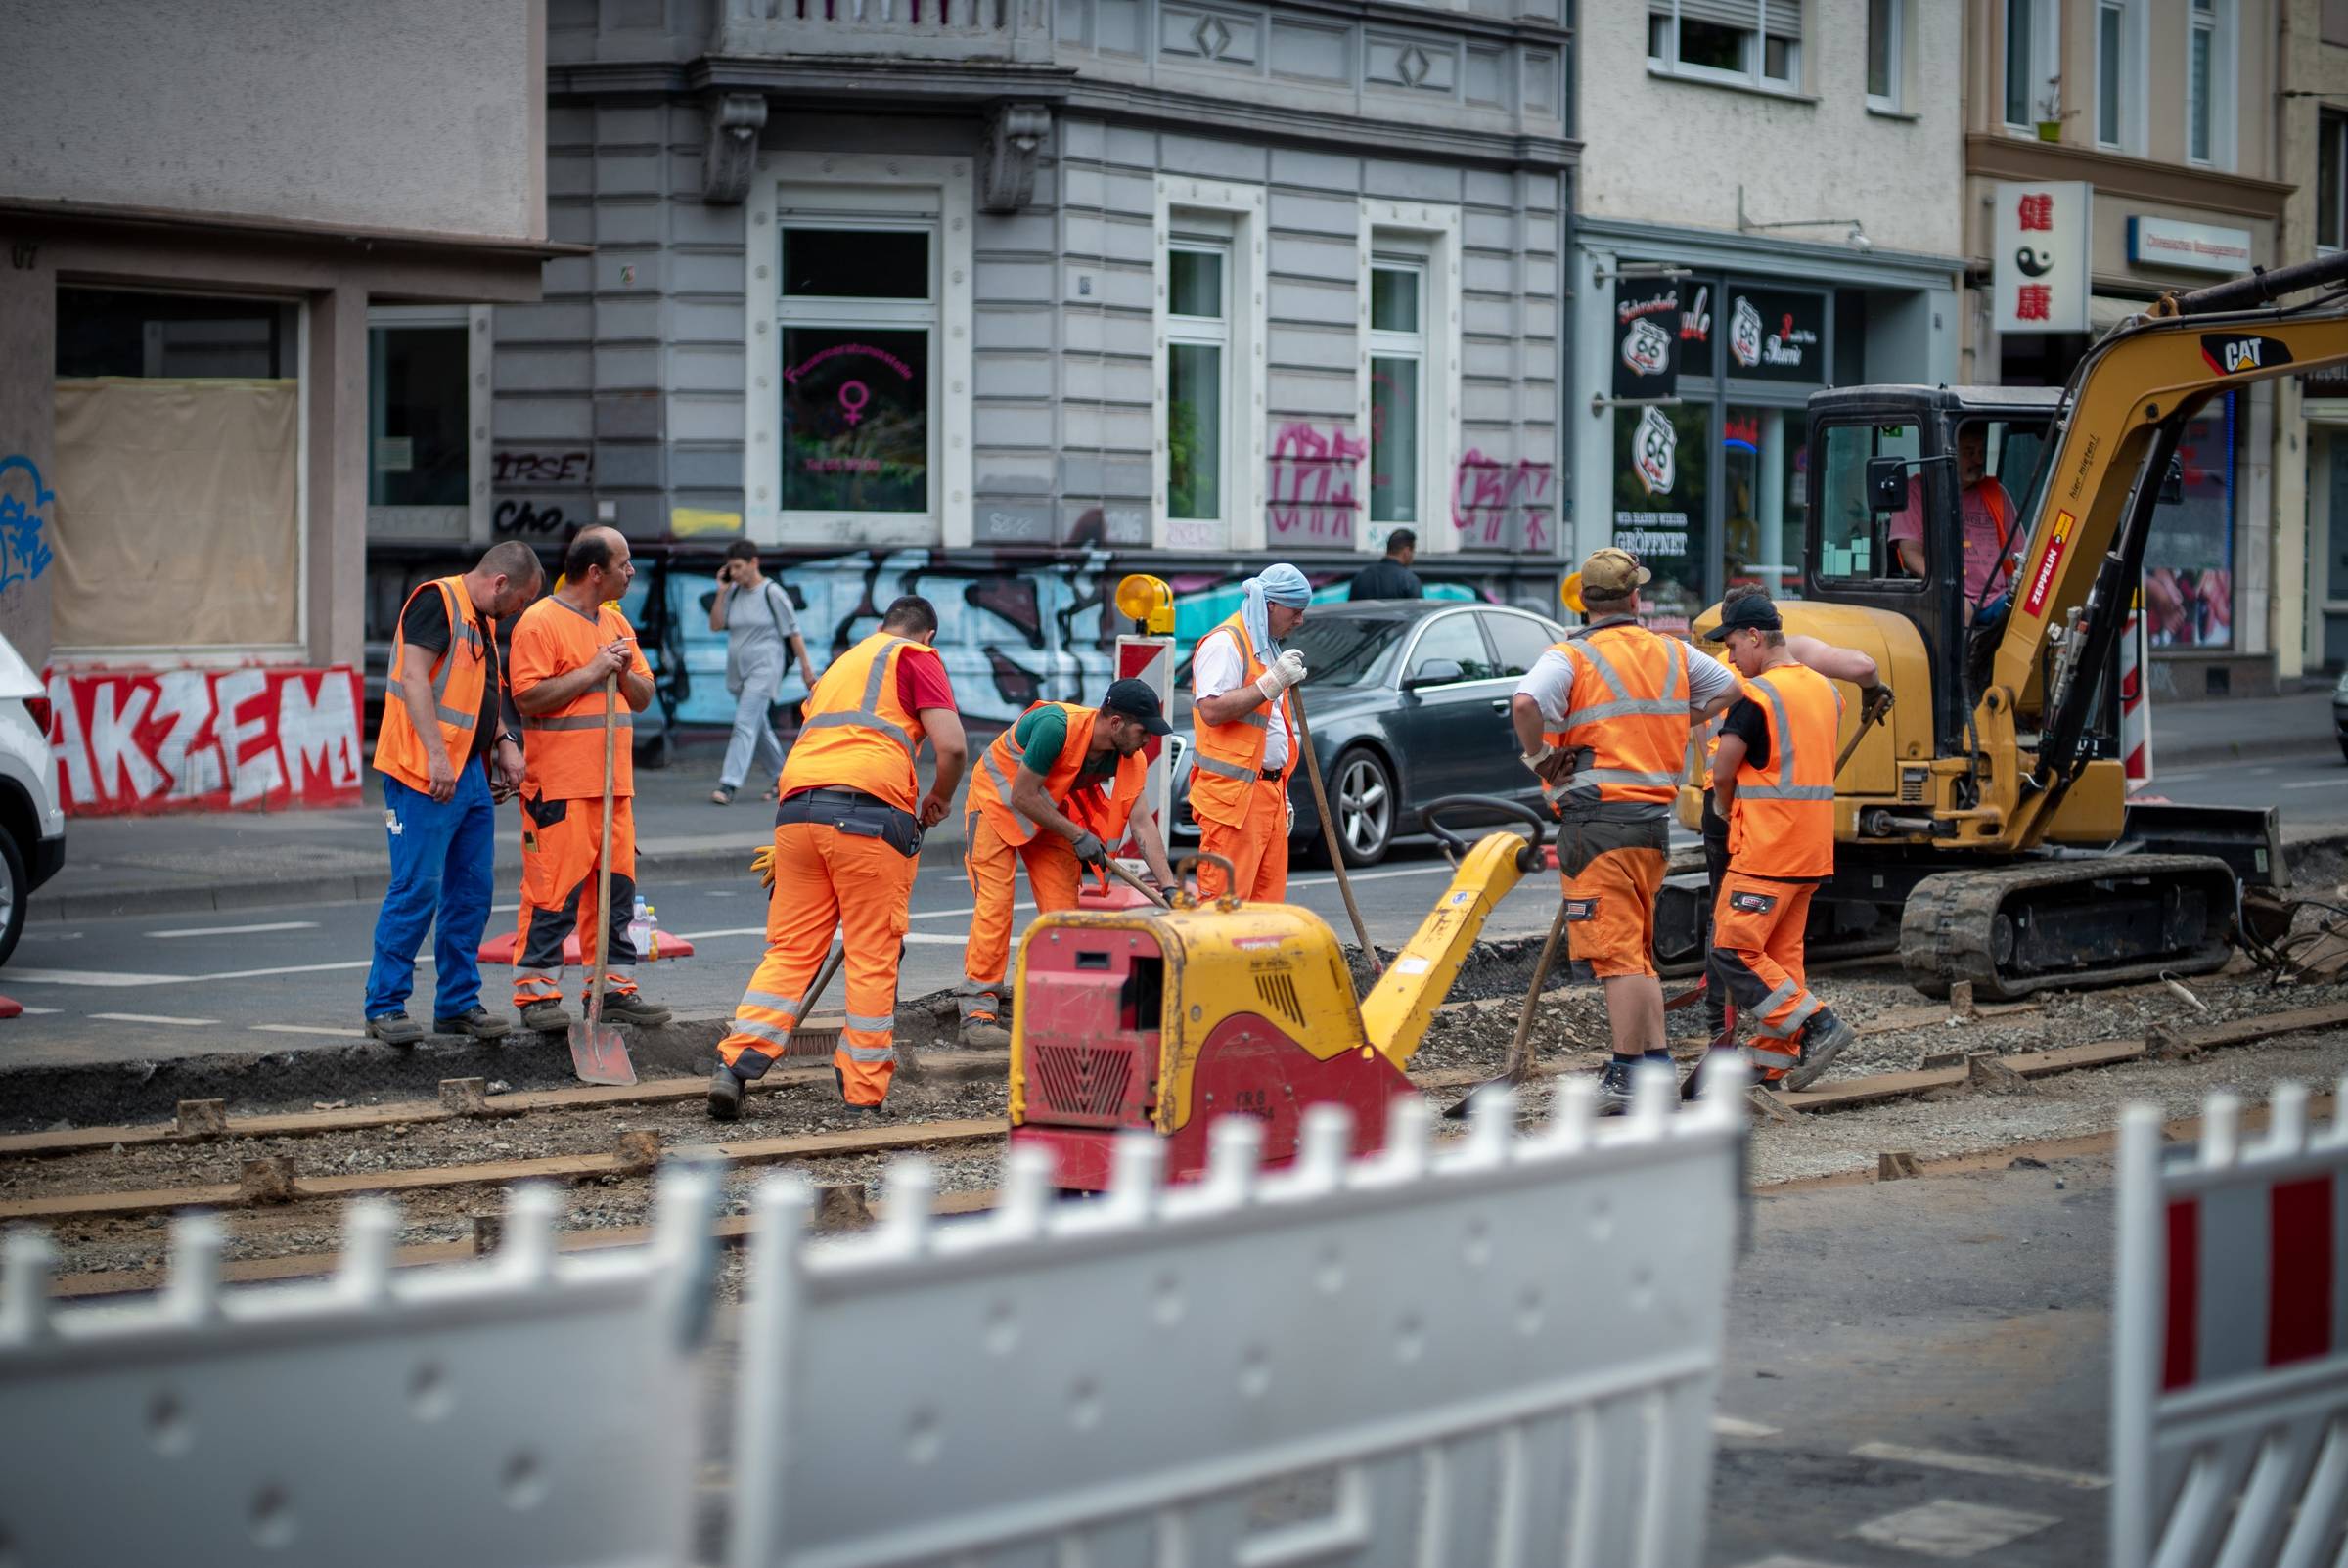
x,y
1341,650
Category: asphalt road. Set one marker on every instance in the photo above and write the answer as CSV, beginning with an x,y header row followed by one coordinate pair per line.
x,y
2311,789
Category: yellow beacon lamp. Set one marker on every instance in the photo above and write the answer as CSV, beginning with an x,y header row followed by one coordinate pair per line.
x,y
1569,593
1148,602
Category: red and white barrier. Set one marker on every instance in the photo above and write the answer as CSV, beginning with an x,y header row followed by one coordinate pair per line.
x,y
2230,1346
1152,659
2136,711
258,739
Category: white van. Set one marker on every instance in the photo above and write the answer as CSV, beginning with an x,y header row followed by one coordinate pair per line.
x,y
32,825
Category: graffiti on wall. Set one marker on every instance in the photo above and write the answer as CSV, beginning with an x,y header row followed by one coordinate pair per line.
x,y
244,740
1502,505
23,522
514,469
537,470
1311,493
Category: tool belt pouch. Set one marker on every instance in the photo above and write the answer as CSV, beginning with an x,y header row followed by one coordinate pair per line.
x,y
862,818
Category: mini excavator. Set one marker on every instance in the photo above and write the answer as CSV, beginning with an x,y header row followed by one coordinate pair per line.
x,y
1987,821
1167,1018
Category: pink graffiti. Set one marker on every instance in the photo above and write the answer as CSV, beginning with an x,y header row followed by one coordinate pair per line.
x,y
1311,495
1498,503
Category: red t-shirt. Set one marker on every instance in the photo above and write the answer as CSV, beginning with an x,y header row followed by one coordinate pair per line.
x,y
921,681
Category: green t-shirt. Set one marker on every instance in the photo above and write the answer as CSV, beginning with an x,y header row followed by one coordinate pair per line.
x,y
1040,735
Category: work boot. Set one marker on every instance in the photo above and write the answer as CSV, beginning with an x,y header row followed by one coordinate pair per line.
x,y
479,1022
984,1034
1822,1041
545,1016
626,1007
394,1029
725,1095
1614,1089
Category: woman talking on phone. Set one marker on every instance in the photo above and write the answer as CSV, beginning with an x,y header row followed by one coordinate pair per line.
x,y
762,637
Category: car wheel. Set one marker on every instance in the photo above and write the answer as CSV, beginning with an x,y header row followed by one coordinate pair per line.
x,y
13,892
1361,791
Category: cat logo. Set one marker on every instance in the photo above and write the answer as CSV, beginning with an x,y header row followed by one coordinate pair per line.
x,y
2238,356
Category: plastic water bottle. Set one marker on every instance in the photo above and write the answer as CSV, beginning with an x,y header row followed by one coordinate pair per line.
x,y
640,930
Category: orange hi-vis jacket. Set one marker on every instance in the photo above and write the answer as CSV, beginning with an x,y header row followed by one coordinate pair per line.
x,y
1630,709
458,676
1101,813
1782,823
857,734
563,751
1230,758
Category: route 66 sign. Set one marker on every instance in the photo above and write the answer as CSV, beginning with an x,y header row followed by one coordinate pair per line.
x,y
1744,332
1655,451
1646,348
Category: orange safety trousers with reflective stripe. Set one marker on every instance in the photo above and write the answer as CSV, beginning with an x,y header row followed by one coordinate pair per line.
x,y
856,733
458,675
1227,767
1629,709
560,843
1757,929
1258,847
1054,876
1782,823
825,881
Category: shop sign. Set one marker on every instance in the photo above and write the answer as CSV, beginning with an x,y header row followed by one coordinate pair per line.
x,y
1695,323
2187,247
2042,235
1776,335
1646,339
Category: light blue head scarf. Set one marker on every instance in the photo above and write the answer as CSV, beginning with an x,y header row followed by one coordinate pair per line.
x,y
1279,584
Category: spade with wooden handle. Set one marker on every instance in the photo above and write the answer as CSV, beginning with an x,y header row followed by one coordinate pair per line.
x,y
597,1053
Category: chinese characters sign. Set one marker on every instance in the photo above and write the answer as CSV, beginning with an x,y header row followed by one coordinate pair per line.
x,y
2042,239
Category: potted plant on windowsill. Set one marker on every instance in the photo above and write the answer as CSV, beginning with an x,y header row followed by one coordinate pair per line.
x,y
2051,112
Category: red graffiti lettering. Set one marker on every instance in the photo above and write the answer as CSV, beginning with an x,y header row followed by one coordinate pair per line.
x,y
1501,504
257,739
1311,495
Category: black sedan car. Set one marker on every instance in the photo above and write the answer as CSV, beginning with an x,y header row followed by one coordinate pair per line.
x,y
1409,702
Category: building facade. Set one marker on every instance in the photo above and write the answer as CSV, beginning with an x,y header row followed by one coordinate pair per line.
x,y
195,236
998,303
2143,134
2311,480
1765,211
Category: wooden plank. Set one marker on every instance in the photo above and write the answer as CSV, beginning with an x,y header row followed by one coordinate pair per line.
x,y
2248,1031
97,1205
1864,1091
2071,1058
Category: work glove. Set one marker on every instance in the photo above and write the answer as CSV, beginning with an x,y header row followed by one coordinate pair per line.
x,y
763,862
1090,851
1877,697
1534,759
1286,670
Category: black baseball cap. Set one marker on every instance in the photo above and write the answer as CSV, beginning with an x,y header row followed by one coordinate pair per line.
x,y
1752,613
1137,702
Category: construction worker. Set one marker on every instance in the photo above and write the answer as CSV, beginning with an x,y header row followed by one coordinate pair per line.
x,y
1602,721
443,735
1055,790
847,836
565,647
1773,776
1240,681
1811,653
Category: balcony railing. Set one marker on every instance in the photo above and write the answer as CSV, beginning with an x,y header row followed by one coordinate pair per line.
x,y
1018,31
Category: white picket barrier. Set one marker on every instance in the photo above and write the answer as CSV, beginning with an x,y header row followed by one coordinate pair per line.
x,y
531,1410
2230,1343
1504,1351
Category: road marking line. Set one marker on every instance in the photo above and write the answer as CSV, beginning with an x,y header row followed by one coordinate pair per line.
x,y
1953,1530
1979,1465
1781,1560
155,1017
34,1012
98,977
711,937
296,968
1330,880
310,1029
237,931
2180,778
2315,783
503,909
1731,1427
936,939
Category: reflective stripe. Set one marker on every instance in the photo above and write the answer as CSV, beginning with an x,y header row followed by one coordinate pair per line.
x,y
453,716
768,1000
622,719
762,1031
1784,993
861,721
986,760
1225,769
1793,1023
1783,759
870,1053
976,987
1255,718
979,1006
1605,669
872,1023
1629,707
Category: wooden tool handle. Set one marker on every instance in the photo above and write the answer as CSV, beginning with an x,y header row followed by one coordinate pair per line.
x,y
602,867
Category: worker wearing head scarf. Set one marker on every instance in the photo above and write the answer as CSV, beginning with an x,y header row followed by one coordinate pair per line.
x,y
1240,681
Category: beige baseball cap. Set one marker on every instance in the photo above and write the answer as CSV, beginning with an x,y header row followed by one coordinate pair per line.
x,y
1611,573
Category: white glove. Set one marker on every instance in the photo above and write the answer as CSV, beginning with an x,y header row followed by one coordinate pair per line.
x,y
1286,670
1533,759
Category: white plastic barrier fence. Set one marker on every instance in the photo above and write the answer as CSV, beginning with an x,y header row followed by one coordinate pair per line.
x,y
2230,1345
1504,1351
532,1411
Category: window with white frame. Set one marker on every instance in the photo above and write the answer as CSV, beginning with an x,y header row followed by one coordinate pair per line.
x,y
1197,391
427,425
2119,74
857,321
2331,181
2209,82
1750,43
1886,62
2033,64
1397,388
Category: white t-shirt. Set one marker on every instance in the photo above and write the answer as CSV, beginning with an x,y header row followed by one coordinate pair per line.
x,y
1218,668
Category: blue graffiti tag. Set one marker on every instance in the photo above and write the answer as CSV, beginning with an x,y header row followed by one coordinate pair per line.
x,y
24,552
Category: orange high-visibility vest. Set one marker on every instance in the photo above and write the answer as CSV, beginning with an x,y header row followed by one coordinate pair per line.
x,y
857,734
1101,813
458,676
1782,823
1629,706
1230,758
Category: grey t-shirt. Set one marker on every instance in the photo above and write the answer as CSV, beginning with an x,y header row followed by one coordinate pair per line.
x,y
759,620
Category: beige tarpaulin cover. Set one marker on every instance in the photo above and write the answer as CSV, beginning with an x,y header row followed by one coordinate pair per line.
x,y
175,513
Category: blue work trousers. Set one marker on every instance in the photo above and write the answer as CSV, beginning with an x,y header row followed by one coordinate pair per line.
x,y
443,871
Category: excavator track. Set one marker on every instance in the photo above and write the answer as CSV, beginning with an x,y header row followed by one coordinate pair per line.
x,y
2017,930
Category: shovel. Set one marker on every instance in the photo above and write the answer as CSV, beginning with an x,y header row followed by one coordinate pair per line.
x,y
597,1053
1135,883
1520,1055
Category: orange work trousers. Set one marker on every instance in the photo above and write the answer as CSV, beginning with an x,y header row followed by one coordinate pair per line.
x,y
1757,955
1613,872
826,882
1054,877
561,840
1257,848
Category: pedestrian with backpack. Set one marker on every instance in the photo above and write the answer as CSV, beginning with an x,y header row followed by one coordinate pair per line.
x,y
762,638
